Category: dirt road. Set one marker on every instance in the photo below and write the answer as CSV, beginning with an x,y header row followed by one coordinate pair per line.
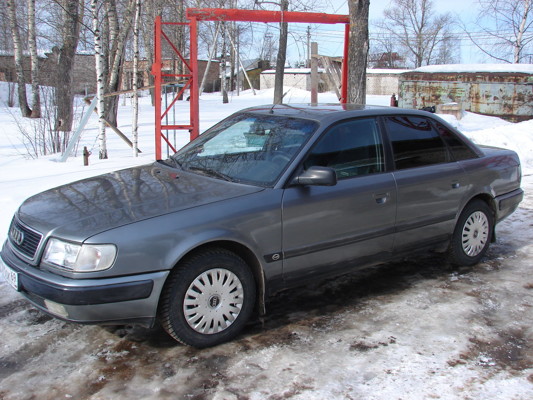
x,y
415,329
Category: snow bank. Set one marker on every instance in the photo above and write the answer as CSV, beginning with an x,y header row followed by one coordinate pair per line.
x,y
505,68
492,131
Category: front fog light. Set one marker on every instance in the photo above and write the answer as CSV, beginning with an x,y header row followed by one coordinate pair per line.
x,y
56,309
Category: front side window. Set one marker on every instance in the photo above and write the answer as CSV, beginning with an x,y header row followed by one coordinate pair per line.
x,y
351,148
414,142
247,148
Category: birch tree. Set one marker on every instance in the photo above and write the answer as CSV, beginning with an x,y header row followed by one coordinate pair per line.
x,y
19,61
34,60
135,132
5,28
102,154
507,27
117,27
151,9
223,64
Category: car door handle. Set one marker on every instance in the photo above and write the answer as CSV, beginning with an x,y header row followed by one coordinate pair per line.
x,y
381,198
456,185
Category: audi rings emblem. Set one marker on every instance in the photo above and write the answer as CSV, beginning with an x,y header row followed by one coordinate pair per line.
x,y
16,235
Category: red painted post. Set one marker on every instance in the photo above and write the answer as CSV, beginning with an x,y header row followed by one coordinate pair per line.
x,y
344,78
156,71
194,98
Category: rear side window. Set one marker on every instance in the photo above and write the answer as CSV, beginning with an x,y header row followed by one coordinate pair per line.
x,y
458,148
414,142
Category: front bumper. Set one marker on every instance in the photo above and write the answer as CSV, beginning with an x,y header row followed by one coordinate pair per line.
x,y
117,300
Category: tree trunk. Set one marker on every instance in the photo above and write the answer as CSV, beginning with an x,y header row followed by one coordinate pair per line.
x,y
32,43
358,51
232,58
116,45
147,35
134,124
65,61
19,61
518,45
180,38
223,61
282,54
102,154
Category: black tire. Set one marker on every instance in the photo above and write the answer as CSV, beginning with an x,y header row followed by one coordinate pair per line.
x,y
472,234
208,298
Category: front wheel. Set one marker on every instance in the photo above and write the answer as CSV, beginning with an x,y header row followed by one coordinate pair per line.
x,y
208,299
473,233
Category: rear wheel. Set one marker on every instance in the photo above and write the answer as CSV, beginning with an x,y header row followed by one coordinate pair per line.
x,y
472,234
208,299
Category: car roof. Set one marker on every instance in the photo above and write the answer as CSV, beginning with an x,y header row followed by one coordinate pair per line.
x,y
330,111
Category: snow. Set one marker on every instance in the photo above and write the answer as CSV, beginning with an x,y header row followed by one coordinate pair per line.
x,y
492,131
495,68
293,71
415,329
386,71
308,71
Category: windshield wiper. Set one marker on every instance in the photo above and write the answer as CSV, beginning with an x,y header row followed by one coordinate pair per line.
x,y
212,172
170,162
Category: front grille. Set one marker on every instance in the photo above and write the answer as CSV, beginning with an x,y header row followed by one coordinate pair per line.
x,y
23,239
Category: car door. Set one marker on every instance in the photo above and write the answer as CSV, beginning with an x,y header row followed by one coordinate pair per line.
x,y
431,184
329,228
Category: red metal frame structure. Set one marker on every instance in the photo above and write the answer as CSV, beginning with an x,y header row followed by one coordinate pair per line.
x,y
218,14
190,80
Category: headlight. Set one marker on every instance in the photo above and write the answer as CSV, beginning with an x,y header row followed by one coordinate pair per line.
x,y
79,258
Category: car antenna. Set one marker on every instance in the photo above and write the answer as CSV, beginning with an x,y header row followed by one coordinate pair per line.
x,y
274,105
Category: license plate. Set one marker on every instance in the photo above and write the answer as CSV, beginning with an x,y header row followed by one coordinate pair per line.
x,y
9,275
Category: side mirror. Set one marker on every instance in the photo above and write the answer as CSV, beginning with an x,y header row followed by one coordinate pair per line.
x,y
316,176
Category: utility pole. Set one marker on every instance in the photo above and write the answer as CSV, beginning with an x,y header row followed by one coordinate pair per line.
x,y
314,73
308,63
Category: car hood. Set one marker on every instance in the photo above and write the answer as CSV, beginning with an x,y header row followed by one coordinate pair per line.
x,y
81,209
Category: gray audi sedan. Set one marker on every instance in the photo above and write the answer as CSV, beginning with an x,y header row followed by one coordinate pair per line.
x,y
270,198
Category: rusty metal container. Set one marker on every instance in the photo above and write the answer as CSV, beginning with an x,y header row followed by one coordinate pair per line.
x,y
504,91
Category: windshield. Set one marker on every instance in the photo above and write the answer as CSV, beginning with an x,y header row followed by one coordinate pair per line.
x,y
247,148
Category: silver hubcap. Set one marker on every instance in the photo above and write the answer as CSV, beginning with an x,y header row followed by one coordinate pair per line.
x,y
213,301
475,233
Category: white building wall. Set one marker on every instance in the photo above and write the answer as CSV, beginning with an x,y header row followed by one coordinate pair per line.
x,y
383,81
295,77
378,81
